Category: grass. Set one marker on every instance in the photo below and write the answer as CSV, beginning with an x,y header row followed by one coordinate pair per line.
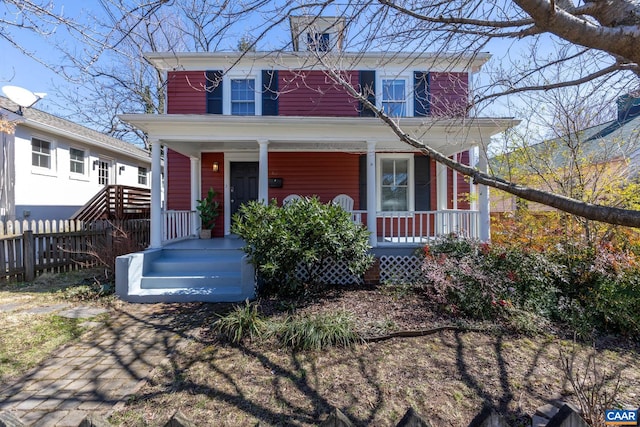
x,y
27,337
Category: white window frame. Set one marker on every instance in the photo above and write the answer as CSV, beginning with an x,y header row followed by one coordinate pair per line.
x,y
80,176
146,176
226,91
410,179
53,158
408,85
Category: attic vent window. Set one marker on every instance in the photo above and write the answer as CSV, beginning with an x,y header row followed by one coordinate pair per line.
x,y
318,42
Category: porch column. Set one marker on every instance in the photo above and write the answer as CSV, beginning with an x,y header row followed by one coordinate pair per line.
x,y
441,225
156,206
195,194
483,201
372,201
263,172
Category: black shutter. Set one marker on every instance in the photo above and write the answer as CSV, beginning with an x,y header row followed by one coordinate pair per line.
x,y
214,92
368,86
421,94
269,92
363,182
422,181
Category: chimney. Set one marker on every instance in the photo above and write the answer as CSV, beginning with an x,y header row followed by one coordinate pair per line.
x,y
317,33
628,107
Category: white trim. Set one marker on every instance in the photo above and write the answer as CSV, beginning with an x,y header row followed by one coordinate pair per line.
x,y
239,75
408,79
228,159
410,179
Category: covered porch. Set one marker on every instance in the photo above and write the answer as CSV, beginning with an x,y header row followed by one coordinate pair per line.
x,y
261,139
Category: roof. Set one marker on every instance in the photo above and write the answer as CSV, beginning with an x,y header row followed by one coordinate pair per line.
x,y
308,61
40,120
616,139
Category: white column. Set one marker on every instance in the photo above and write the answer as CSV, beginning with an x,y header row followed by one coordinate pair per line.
x,y
442,226
441,187
263,172
195,194
156,207
483,201
372,201
456,157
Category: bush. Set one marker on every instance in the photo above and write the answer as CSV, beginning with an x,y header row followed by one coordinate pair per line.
x,y
315,332
602,291
590,288
303,234
485,282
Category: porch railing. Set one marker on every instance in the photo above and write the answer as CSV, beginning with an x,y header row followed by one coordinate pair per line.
x,y
413,228
419,227
177,225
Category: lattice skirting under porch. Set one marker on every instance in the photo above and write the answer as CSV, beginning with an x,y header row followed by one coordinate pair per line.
x,y
393,269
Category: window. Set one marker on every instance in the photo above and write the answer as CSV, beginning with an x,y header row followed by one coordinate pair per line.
x,y
40,153
318,42
243,97
395,184
142,176
394,97
76,161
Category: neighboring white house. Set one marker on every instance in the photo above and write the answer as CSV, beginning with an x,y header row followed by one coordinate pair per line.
x,y
50,167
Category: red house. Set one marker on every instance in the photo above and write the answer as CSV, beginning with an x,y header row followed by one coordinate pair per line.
x,y
262,126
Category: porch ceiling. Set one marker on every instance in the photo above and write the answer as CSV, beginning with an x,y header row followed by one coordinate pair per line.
x,y
191,134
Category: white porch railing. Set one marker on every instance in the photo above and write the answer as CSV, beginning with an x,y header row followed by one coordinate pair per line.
x,y
418,227
393,227
176,225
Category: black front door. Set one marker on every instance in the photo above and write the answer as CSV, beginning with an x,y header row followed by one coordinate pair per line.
x,y
244,183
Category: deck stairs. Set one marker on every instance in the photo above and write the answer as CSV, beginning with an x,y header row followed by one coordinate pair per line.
x,y
193,270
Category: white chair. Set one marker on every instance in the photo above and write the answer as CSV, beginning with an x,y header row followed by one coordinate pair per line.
x,y
290,198
344,201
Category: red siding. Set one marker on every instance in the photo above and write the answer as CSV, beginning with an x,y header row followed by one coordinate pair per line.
x,y
463,185
315,174
313,93
186,92
449,94
215,180
178,181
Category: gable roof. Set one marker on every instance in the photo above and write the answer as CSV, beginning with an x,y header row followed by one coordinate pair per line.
x,y
38,119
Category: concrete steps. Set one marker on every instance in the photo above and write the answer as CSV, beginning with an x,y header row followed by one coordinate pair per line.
x,y
181,274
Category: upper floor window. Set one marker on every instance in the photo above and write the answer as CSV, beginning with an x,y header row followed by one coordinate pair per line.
x,y
394,97
318,42
142,176
40,153
396,178
243,97
76,161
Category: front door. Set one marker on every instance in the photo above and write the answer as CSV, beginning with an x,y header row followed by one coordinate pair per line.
x,y
103,172
244,184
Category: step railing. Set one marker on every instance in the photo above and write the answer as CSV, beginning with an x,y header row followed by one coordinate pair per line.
x,y
116,202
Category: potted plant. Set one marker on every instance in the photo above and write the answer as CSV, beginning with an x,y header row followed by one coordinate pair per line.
x,y
208,212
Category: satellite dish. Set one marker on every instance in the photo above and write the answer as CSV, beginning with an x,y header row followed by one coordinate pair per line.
x,y
21,96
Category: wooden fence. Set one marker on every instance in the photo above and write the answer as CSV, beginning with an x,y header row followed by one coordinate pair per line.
x,y
566,417
29,248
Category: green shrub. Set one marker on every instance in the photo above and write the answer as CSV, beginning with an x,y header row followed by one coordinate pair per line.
x,y
486,282
303,234
591,288
243,322
315,332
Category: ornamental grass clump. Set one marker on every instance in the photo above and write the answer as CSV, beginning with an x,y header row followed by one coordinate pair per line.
x,y
241,323
316,332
